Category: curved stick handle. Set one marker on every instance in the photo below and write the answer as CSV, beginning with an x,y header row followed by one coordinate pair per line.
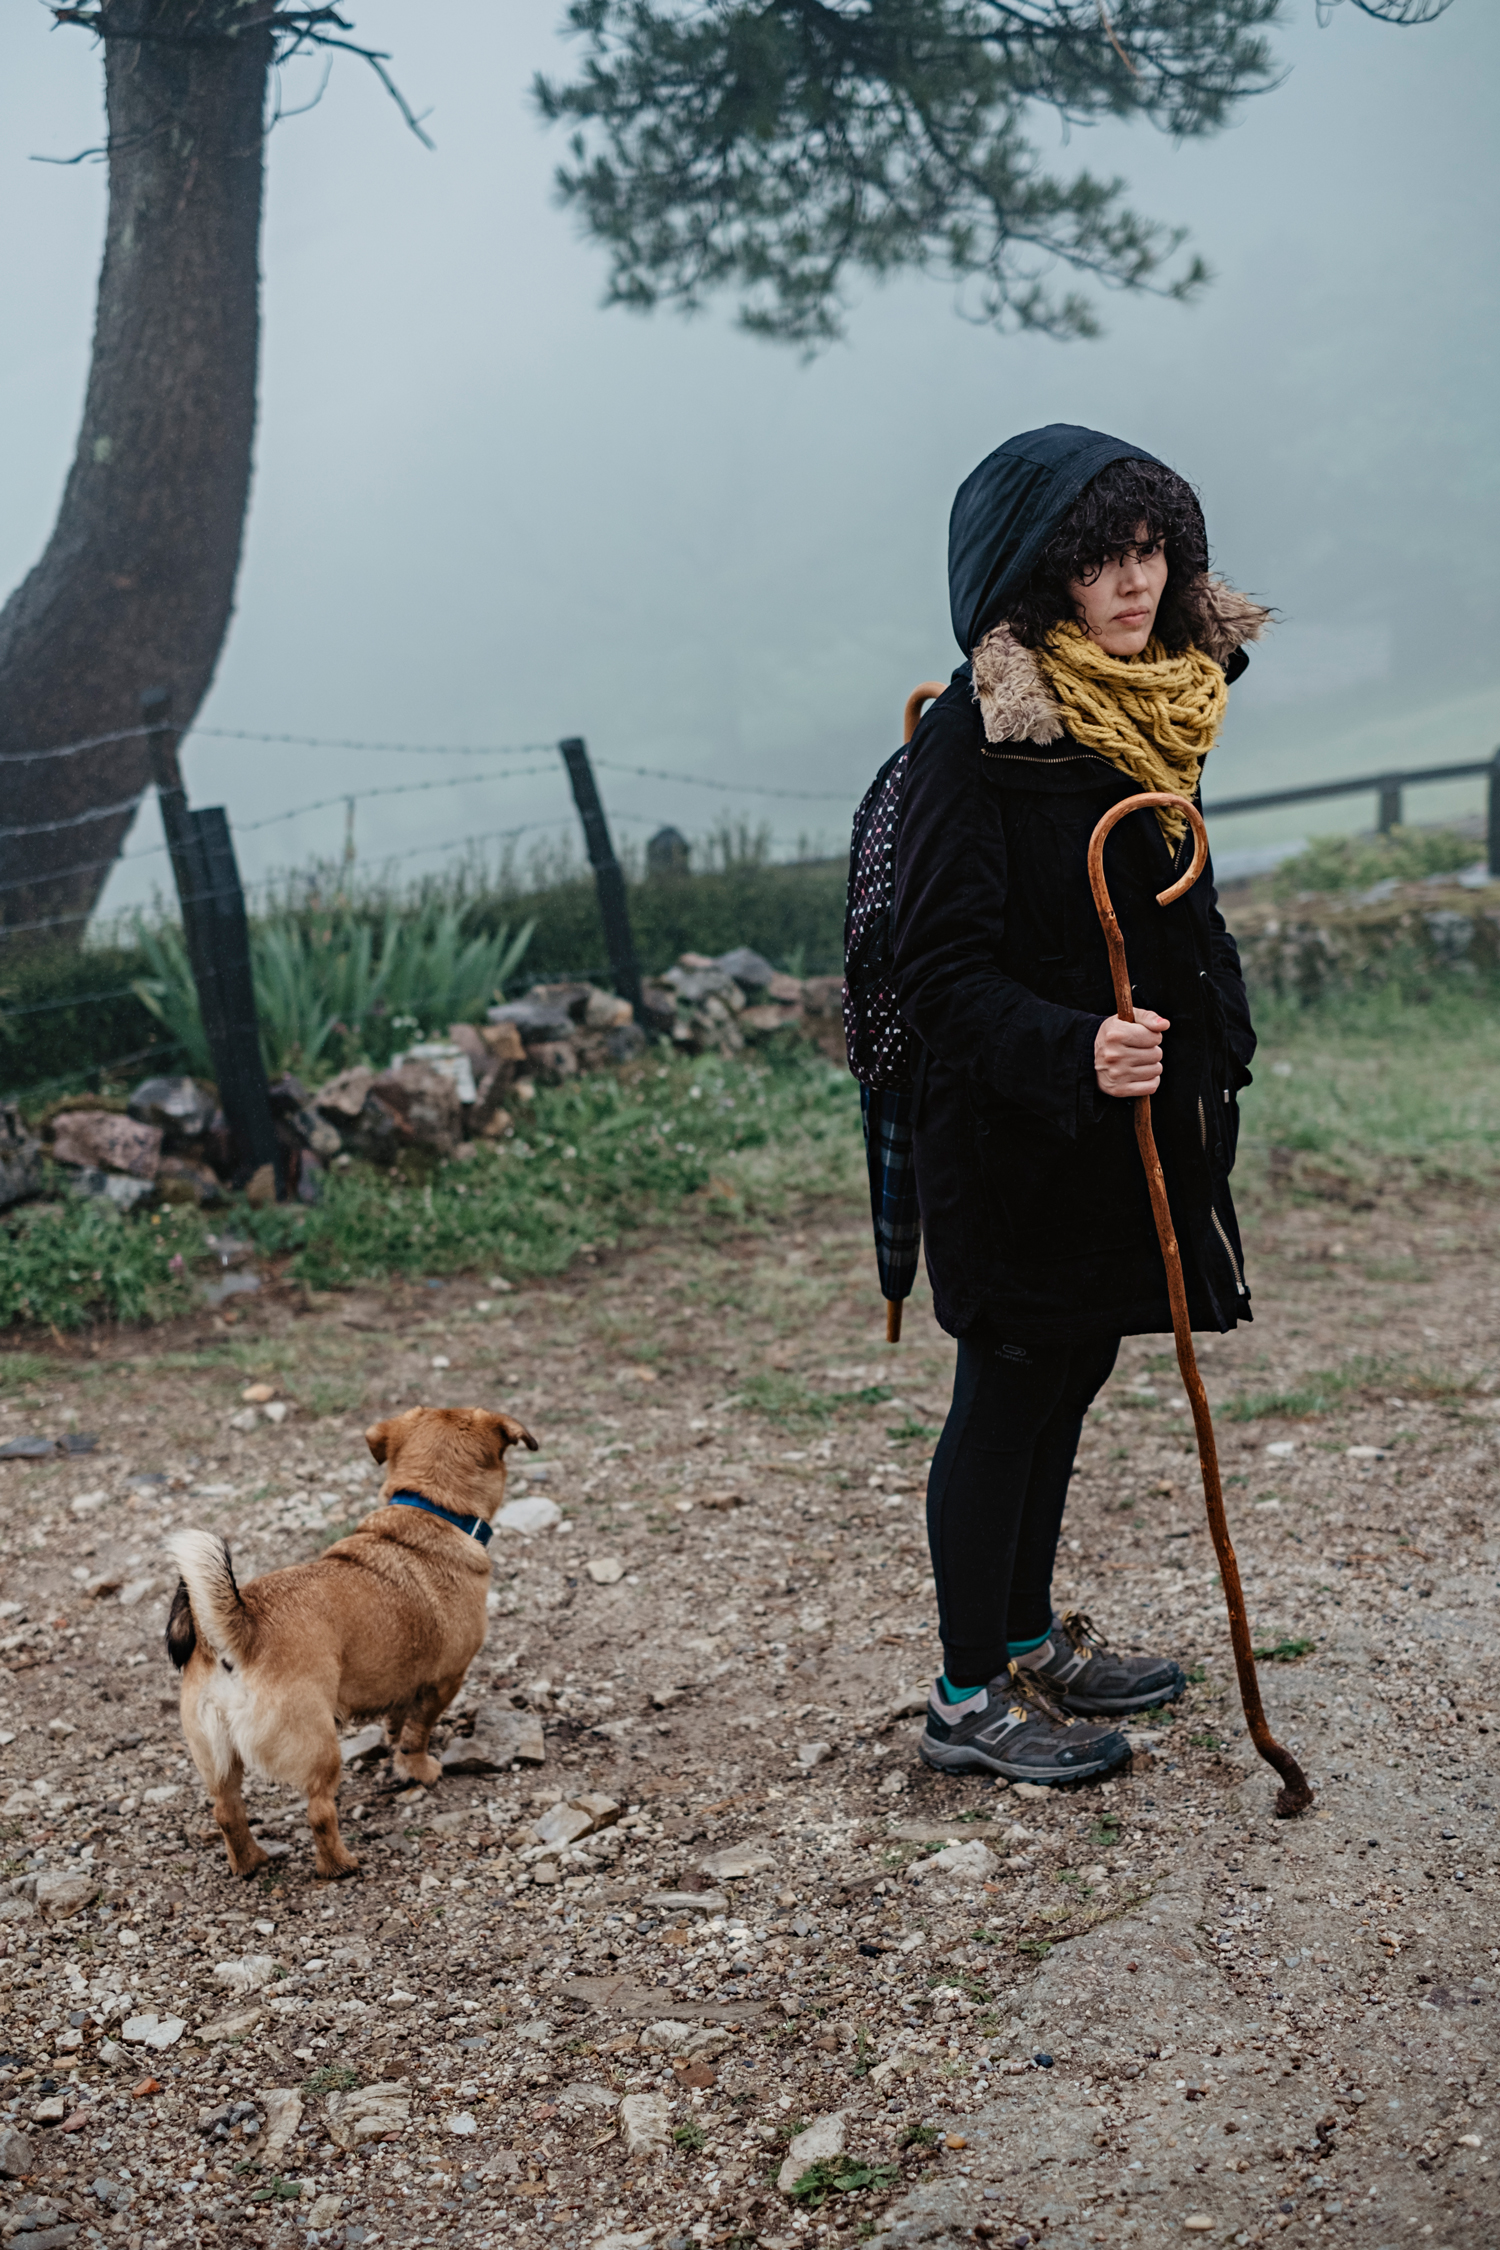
x,y
927,693
1295,1794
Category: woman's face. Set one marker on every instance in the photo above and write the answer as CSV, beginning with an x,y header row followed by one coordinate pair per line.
x,y
1118,608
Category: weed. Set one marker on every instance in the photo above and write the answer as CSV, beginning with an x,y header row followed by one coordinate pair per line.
x,y
65,1264
839,2175
279,2191
1284,1651
689,2135
332,2078
1198,1675
862,2061
1205,1742
900,1433
919,2136
1105,1833
1036,1946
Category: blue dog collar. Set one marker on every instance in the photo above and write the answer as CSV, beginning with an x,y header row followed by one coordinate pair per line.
x,y
472,1527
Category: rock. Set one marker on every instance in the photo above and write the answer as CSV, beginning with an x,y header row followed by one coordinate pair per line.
x,y
248,1973
585,2095
99,1139
552,1061
29,1449
500,1737
16,2155
503,1042
369,2114
823,1003
605,1570
909,1704
364,1748
326,2211
282,2106
709,982
112,2054
577,1816
450,1060
536,2031
460,2122
425,1106
20,1158
94,1186
810,1754
751,971
688,1902
645,2123
183,1180
180,1109
135,1590
535,1513
533,1020
51,2110
58,1896
343,1099
737,1861
159,2032
957,1863
822,2140
258,1394
667,2037
623,1043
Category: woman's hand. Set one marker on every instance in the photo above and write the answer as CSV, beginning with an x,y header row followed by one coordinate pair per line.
x,y
1127,1056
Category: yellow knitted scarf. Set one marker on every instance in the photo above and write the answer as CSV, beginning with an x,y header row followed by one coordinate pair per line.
x,y
1154,716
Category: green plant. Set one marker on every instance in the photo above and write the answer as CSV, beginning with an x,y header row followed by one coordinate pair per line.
x,y
900,1433
862,2061
332,2078
919,2136
1284,1651
63,1265
689,2135
1346,863
1205,1742
1038,1947
336,985
839,2175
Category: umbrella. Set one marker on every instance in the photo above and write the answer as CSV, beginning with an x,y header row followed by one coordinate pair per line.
x,y
886,1114
1295,1794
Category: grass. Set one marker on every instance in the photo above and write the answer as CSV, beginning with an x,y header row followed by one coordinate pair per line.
x,y
791,1403
1375,1088
707,1143
1322,1390
1284,1651
332,2078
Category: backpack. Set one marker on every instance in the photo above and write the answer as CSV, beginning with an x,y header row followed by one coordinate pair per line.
x,y
879,1043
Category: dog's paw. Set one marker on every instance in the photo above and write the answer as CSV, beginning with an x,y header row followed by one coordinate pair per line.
x,y
415,1765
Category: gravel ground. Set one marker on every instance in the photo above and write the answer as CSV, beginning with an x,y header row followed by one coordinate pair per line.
x,y
1128,2013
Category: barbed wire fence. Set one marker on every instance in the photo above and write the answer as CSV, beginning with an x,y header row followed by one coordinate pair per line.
x,y
211,896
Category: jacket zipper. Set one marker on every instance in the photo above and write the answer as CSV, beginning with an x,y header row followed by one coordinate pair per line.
x,y
1239,1279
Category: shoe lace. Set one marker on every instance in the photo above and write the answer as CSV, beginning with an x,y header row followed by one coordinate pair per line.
x,y
1082,1632
1027,1690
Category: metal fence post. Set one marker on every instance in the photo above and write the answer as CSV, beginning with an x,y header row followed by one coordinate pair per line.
x,y
1494,813
217,937
1390,806
614,910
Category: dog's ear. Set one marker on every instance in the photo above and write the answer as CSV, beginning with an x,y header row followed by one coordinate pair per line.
x,y
378,1439
512,1432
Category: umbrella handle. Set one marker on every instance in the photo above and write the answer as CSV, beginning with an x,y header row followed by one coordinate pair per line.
x,y
928,692
1296,1794
893,1320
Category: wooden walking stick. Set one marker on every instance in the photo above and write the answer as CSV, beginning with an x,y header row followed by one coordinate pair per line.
x,y
1295,1794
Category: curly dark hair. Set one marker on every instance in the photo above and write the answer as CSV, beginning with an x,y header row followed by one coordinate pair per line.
x,y
1104,520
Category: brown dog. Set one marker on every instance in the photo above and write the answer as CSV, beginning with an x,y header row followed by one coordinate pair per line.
x,y
383,1624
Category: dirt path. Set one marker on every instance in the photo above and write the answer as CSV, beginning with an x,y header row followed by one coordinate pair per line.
x,y
1250,2029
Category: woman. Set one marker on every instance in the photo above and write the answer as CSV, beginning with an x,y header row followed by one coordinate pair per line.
x,y
1100,652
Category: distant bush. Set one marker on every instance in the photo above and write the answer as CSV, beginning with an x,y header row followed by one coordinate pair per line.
x,y
1354,863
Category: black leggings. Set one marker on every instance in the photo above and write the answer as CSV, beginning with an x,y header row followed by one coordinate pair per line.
x,y
997,1487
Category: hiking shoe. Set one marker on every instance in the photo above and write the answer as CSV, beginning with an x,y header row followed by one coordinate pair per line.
x,y
1076,1667
1010,1728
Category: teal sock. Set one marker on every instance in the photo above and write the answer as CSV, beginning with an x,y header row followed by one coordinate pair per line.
x,y
952,1694
1024,1648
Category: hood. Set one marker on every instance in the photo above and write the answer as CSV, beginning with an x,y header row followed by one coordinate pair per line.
x,y
1008,509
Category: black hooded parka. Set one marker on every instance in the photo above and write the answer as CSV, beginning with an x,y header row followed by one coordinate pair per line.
x,y
1035,1215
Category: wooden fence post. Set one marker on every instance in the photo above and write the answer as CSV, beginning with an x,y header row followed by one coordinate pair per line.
x,y
217,937
614,909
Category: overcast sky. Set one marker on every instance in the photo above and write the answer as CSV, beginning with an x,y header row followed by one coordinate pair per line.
x,y
487,512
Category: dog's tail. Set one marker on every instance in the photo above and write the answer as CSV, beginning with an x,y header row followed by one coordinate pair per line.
x,y
207,1601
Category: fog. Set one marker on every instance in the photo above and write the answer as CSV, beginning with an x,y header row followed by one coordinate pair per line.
x,y
489,513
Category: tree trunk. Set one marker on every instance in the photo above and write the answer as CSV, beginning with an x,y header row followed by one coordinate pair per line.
x,y
136,585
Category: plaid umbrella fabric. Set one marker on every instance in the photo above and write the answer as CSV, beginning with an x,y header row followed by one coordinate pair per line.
x,y
886,1113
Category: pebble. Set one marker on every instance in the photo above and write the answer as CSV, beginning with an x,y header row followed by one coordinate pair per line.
x,y
60,1895
152,2030
535,1513
645,2122
605,1570
810,1754
816,2144
369,2113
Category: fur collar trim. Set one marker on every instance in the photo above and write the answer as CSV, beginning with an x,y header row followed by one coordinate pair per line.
x,y
1012,690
